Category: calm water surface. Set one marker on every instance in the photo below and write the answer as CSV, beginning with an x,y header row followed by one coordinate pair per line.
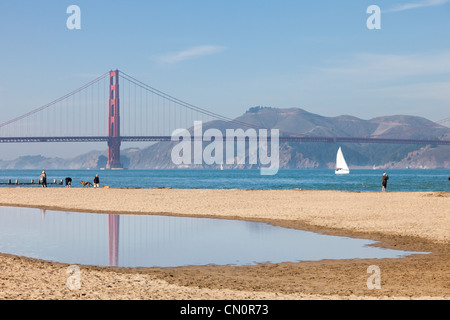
x,y
146,241
357,180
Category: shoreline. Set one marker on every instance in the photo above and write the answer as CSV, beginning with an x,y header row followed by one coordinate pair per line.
x,y
423,276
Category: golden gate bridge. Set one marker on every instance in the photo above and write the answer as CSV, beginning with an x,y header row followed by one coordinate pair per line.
x,y
115,109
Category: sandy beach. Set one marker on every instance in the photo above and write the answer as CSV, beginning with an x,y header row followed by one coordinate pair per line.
x,y
418,221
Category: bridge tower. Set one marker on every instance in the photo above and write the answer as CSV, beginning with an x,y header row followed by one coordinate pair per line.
x,y
114,122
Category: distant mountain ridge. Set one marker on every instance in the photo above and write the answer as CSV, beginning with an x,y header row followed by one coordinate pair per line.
x,y
291,121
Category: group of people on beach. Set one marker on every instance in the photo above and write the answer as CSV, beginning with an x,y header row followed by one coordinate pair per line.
x,y
68,180
96,181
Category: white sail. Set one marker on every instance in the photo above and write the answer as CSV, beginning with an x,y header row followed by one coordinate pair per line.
x,y
341,165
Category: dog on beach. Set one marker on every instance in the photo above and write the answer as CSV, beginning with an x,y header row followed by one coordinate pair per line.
x,y
86,184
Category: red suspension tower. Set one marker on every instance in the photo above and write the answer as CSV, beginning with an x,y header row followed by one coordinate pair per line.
x,y
114,122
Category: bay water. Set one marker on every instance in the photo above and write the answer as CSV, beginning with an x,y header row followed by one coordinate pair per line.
x,y
358,180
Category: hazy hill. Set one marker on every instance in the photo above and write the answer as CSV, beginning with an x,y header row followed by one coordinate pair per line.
x,y
296,121
293,121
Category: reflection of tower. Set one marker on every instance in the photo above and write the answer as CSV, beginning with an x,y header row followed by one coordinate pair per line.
x,y
113,237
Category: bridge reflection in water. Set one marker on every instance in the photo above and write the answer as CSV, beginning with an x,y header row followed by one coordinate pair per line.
x,y
113,239
163,241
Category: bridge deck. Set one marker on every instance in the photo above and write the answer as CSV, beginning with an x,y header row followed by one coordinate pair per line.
x,y
169,138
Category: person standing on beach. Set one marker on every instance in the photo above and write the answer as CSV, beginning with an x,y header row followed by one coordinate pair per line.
x,y
384,181
43,179
68,182
96,181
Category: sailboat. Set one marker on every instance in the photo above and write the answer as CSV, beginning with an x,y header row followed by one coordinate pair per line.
x,y
341,165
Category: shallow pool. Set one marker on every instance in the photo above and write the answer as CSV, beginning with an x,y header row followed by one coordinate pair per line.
x,y
146,241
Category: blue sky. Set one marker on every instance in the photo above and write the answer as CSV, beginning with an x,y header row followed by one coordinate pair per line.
x,y
230,55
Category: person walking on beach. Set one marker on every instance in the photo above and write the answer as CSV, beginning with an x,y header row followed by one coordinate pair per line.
x,y
96,181
43,179
384,181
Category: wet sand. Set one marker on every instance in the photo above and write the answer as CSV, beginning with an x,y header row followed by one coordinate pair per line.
x,y
418,221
